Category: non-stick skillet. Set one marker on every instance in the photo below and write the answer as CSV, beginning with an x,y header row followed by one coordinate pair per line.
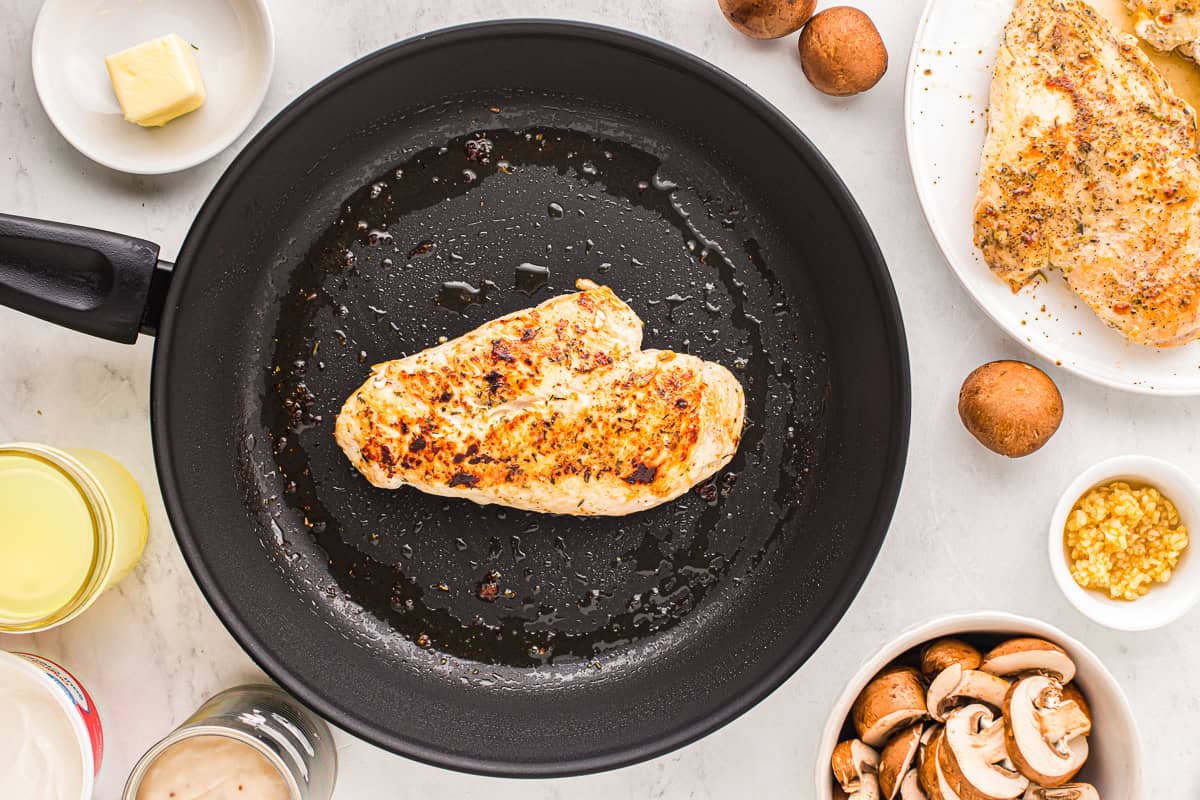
x,y
413,195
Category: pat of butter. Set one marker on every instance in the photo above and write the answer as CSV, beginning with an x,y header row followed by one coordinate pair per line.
x,y
156,81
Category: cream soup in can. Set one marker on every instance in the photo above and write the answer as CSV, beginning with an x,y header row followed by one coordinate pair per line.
x,y
252,741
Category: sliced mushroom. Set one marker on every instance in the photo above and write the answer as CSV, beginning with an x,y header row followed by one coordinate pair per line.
x,y
973,758
896,759
1046,736
1069,791
929,773
856,767
1071,692
1017,656
910,787
894,699
955,686
927,736
941,653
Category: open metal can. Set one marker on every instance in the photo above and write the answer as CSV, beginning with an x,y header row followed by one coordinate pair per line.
x,y
292,740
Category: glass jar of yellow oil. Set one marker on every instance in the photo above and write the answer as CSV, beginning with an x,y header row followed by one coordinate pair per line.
x,y
72,523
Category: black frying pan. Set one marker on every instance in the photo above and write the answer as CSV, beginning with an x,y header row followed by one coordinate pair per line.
x,y
397,202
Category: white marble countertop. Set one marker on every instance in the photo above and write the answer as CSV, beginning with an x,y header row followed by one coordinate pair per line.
x,y
969,532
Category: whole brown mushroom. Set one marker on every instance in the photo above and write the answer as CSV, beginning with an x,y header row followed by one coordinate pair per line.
x,y
1012,408
768,19
842,52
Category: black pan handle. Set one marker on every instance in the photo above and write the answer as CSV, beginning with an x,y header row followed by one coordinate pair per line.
x,y
96,282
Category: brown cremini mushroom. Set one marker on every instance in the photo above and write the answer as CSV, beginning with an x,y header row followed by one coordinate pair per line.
x,y
1007,724
768,19
1045,735
973,758
941,653
1068,791
1022,655
910,787
927,735
841,52
955,686
894,699
1011,407
897,758
1071,692
856,767
929,773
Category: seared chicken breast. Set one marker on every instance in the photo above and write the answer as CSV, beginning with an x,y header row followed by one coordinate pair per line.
x,y
554,409
1090,166
1168,25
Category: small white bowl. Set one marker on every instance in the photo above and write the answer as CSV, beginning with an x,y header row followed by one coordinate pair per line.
x,y
1165,602
236,53
1114,766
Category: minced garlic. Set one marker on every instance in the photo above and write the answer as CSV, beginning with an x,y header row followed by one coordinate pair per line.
x,y
1121,539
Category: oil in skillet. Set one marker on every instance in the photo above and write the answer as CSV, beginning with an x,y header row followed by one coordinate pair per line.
x,y
528,278
501,604
458,296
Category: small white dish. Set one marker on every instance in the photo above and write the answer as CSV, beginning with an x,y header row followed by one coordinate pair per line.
x,y
1165,602
235,50
1114,766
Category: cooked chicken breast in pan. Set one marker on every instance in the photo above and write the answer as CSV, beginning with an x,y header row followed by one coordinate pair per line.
x,y
554,409
1090,167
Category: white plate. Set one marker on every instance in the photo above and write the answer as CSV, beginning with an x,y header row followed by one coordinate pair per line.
x,y
236,51
946,99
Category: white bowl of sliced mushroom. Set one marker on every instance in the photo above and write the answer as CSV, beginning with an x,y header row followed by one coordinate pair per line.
x,y
982,706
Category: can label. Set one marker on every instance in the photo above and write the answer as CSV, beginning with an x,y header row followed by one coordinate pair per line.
x,y
79,698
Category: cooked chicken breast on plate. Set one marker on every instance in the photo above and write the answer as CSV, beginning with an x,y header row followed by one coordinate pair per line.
x,y
1090,167
1168,24
554,409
